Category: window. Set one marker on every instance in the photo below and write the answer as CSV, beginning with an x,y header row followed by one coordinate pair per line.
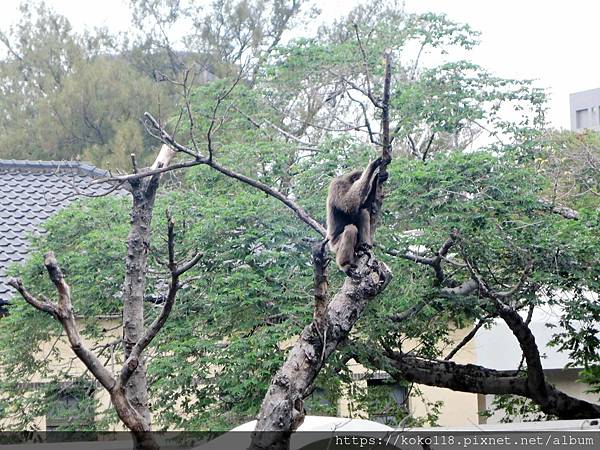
x,y
387,401
318,404
71,408
582,118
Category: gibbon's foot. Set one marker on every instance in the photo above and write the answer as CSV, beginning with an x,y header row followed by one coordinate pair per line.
x,y
347,267
351,270
364,247
353,273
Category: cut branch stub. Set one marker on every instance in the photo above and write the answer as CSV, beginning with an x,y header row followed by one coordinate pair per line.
x,y
320,262
54,272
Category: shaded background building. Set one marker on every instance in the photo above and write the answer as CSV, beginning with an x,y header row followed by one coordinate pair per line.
x,y
585,110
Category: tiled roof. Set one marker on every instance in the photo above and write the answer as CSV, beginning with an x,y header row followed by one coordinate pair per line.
x,y
30,192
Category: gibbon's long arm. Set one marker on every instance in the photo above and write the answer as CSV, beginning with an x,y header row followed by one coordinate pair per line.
x,y
359,192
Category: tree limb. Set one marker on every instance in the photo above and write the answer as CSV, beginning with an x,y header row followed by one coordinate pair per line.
x,y
434,261
458,377
563,211
176,271
467,338
283,402
63,313
320,262
477,379
167,139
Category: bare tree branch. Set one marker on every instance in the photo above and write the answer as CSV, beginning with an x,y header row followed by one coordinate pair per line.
x,y
302,144
434,262
478,379
366,119
468,337
426,151
132,361
320,262
63,313
365,64
564,211
466,288
41,305
167,139
408,313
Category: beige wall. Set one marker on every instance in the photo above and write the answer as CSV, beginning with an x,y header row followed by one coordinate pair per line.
x,y
458,408
63,359
461,408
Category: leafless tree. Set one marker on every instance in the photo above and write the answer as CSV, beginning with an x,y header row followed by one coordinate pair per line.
x,y
128,388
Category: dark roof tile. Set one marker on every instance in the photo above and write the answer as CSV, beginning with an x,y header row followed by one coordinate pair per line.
x,y
30,192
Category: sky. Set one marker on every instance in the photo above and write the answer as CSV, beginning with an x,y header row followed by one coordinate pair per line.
x,y
554,42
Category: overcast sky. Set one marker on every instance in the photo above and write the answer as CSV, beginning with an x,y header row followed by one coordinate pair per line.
x,y
552,41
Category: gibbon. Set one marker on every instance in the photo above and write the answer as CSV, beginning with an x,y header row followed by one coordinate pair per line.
x,y
348,213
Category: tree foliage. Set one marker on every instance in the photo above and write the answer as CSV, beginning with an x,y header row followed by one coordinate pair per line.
x,y
302,116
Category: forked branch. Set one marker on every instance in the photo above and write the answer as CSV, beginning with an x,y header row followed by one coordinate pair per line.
x,y
176,271
63,313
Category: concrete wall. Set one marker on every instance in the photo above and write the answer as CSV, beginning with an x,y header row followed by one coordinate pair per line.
x,y
585,110
459,408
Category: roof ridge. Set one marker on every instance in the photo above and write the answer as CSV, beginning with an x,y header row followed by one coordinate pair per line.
x,y
80,166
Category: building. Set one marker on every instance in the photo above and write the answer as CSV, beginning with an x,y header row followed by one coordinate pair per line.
x,y
585,110
31,191
494,348
545,323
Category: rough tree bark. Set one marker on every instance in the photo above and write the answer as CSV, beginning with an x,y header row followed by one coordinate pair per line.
x,y
386,144
481,380
472,378
143,192
551,400
282,409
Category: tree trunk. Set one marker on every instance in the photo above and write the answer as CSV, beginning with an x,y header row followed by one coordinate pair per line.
x,y
282,409
138,244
